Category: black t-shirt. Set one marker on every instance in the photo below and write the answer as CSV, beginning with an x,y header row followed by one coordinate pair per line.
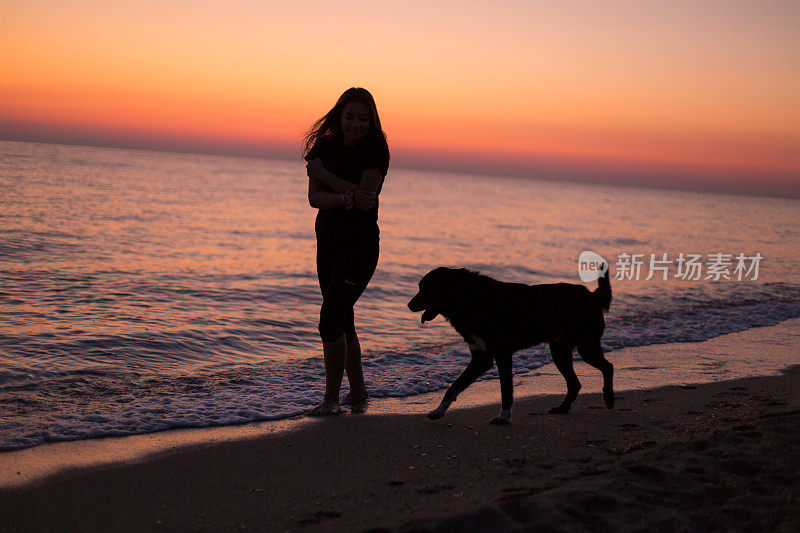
x,y
349,226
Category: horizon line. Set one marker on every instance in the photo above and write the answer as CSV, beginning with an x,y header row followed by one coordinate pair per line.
x,y
601,177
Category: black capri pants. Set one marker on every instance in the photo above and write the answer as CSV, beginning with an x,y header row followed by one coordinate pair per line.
x,y
344,272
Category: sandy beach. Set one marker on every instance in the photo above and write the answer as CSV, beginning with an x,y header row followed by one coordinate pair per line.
x,y
220,218
717,456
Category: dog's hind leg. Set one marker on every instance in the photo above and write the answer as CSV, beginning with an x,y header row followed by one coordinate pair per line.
x,y
592,353
562,357
475,369
504,369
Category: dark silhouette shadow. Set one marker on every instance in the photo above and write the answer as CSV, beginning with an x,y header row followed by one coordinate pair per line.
x,y
347,161
498,319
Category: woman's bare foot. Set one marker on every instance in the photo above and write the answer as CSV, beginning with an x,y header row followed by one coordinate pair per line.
x,y
355,398
358,408
326,408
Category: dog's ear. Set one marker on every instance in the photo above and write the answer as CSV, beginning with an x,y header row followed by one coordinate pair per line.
x,y
458,286
428,315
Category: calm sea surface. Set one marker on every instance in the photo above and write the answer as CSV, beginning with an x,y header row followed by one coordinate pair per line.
x,y
141,291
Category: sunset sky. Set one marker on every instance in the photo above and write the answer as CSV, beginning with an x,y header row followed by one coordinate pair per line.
x,y
676,93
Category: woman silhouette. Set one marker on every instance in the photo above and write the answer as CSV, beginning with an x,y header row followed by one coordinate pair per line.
x,y
348,158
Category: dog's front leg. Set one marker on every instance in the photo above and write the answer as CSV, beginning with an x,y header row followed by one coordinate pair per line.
x,y
476,367
504,369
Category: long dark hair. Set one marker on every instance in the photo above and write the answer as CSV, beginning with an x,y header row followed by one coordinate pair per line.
x,y
330,125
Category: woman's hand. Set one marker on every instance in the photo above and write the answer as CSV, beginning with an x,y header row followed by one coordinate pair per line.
x,y
315,169
363,200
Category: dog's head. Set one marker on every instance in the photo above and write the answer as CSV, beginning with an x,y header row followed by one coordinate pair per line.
x,y
439,292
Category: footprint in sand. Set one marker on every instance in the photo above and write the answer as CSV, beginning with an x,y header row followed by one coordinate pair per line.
x,y
436,489
742,468
748,431
700,445
319,517
646,471
784,480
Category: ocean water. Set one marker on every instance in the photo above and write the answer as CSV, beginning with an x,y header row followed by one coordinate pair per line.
x,y
141,291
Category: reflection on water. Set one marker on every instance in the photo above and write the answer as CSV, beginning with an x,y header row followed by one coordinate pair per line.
x,y
133,278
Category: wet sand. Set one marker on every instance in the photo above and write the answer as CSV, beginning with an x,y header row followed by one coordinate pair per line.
x,y
720,455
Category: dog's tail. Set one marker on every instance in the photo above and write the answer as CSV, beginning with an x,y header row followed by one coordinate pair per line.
x,y
603,291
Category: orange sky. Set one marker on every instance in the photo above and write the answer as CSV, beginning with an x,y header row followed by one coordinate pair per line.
x,y
658,88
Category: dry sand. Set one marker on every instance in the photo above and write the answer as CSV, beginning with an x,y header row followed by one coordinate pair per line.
x,y
715,456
